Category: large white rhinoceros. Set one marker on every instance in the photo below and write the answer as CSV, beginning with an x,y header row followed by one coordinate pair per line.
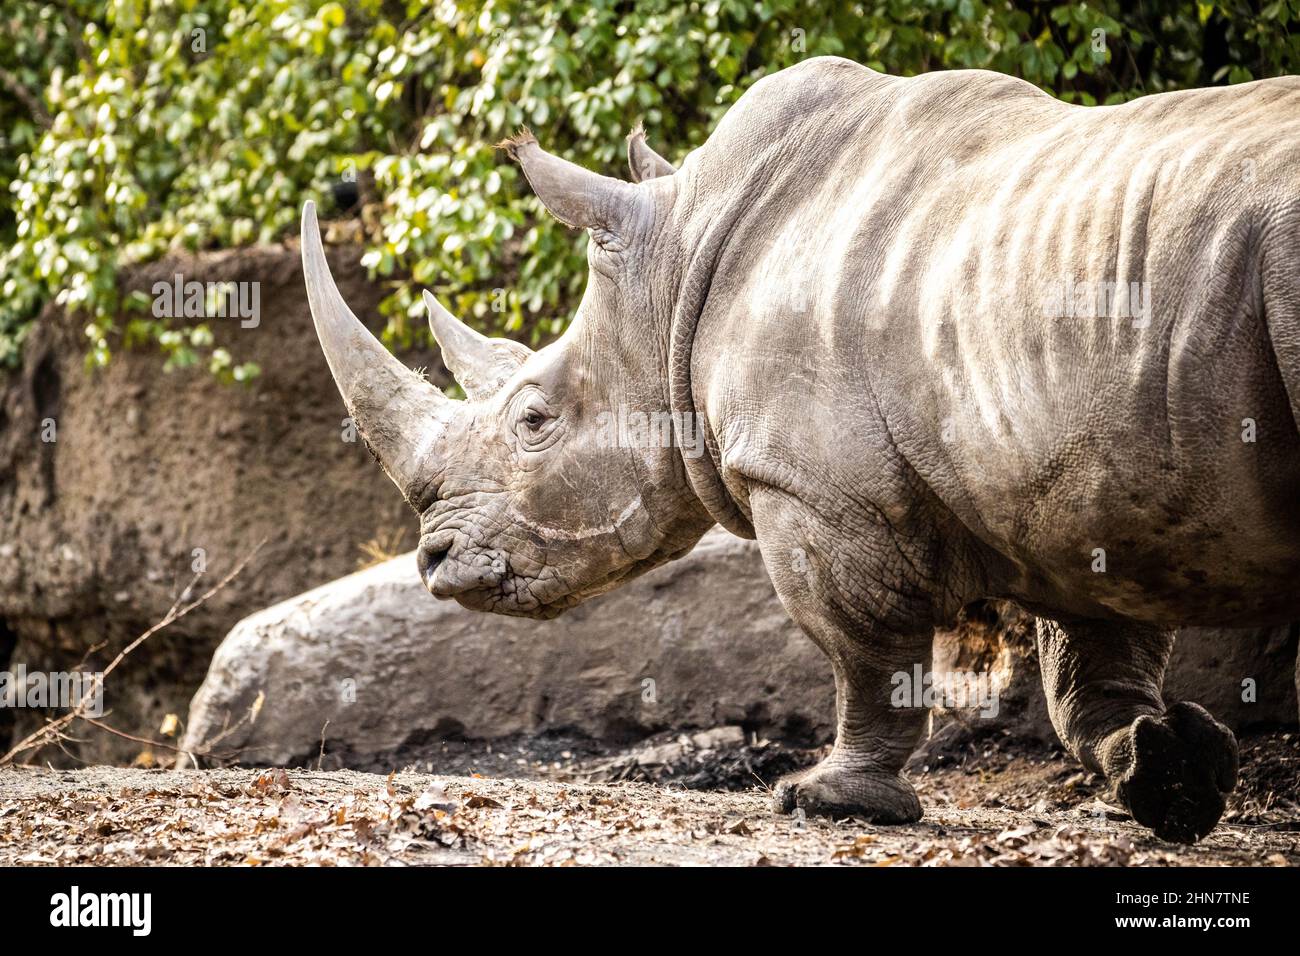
x,y
943,338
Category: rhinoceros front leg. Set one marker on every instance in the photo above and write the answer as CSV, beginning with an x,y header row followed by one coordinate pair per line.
x,y
1173,765
830,584
862,775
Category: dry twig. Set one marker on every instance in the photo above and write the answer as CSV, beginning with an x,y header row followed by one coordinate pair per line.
x,y
54,728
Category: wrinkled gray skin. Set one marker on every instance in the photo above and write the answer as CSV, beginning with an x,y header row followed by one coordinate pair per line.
x,y
846,285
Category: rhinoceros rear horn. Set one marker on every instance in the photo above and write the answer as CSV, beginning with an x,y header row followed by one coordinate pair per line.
x,y
397,412
481,365
575,196
643,161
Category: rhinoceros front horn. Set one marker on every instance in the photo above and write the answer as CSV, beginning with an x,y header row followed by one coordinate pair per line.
x,y
397,412
481,365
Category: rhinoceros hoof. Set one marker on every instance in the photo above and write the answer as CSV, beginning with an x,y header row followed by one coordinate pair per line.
x,y
834,791
1181,766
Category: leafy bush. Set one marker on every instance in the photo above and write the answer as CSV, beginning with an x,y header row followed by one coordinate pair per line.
x,y
177,123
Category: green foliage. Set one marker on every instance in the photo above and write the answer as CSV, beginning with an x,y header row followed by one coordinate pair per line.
x,y
155,124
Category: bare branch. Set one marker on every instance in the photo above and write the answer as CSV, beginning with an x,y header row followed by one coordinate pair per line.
x,y
53,729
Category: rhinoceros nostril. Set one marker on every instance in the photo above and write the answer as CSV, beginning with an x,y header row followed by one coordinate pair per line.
x,y
428,560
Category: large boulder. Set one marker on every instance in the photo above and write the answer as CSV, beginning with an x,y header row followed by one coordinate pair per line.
x,y
372,664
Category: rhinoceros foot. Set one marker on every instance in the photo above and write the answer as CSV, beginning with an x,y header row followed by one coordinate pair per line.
x,y
833,790
1180,768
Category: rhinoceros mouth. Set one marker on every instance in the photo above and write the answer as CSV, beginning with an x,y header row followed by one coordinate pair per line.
x,y
499,602
504,597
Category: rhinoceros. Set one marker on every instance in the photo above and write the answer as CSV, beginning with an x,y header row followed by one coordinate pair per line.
x,y
945,338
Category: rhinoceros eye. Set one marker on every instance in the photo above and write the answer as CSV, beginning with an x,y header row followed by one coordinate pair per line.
x,y
535,425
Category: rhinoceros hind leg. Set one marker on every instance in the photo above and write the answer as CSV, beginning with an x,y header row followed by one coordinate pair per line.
x,y
1174,772
1173,766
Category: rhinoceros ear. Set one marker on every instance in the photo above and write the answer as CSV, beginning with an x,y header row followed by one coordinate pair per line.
x,y
575,196
644,162
481,365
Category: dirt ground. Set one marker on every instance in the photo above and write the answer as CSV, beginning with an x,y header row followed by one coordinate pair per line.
x,y
677,800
